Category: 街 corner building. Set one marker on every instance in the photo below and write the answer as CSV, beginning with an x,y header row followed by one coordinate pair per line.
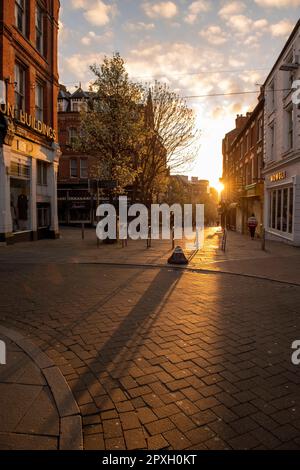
x,y
29,153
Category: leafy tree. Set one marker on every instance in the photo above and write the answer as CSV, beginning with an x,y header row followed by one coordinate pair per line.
x,y
110,130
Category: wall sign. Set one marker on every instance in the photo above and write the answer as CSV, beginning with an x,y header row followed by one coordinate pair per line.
x,y
280,176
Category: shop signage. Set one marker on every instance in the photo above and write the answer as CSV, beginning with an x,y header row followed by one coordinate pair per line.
x,y
27,120
280,176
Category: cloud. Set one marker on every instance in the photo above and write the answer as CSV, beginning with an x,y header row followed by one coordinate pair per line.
x,y
96,12
92,37
138,26
242,24
283,28
214,35
200,6
160,9
278,3
232,8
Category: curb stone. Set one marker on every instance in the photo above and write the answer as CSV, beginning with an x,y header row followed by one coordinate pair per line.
x,y
69,414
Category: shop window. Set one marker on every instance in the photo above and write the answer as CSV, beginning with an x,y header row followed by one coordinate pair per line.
x,y
42,173
39,29
20,15
20,87
281,210
291,209
39,102
73,168
20,204
83,168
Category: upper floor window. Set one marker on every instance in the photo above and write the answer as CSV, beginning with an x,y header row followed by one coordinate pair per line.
x,y
39,102
73,168
260,129
78,105
20,15
272,95
20,87
290,120
72,135
39,29
83,168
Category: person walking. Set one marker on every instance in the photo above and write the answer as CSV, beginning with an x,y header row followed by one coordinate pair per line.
x,y
252,225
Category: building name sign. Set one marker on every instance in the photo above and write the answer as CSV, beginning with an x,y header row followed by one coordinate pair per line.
x,y
27,120
280,176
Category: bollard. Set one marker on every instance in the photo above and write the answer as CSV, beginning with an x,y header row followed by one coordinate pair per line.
x,y
149,237
173,238
263,239
82,231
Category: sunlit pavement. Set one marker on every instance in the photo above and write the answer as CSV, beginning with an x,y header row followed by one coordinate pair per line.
x,y
162,358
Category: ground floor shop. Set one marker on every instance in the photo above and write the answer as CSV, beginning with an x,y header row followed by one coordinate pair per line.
x,y
282,208
28,191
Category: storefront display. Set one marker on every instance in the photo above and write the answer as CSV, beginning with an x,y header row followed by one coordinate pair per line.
x,y
19,203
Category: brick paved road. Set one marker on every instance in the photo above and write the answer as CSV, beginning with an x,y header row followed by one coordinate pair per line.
x,y
158,358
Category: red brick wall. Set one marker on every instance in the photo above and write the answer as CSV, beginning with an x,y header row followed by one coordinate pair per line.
x,y
13,45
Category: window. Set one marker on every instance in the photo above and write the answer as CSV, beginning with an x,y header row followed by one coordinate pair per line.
x,y
72,135
39,102
78,105
83,168
272,95
281,210
73,168
290,120
42,173
20,87
272,141
291,210
260,129
20,15
39,29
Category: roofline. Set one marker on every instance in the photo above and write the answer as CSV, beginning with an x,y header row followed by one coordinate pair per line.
x,y
286,46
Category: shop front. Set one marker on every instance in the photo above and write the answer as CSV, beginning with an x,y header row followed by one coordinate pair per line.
x,y
28,200
282,208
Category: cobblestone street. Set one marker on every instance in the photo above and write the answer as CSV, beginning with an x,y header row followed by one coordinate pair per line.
x,y
161,358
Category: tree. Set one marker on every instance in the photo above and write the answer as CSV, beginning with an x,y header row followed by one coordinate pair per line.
x,y
110,130
170,141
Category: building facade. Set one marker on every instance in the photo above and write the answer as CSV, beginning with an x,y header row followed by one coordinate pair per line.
x,y
242,171
282,146
29,153
76,198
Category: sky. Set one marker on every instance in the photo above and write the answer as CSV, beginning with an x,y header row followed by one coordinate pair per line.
x,y
204,47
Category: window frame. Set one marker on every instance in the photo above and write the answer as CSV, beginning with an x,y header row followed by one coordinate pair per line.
x,y
21,8
72,160
39,29
42,173
85,176
20,86
39,107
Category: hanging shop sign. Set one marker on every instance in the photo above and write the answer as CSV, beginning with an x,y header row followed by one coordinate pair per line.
x,y
27,120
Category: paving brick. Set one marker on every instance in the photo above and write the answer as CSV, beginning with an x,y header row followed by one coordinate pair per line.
x,y
130,420
176,439
135,439
112,428
157,442
160,426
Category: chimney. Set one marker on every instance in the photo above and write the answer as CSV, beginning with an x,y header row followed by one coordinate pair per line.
x,y
240,120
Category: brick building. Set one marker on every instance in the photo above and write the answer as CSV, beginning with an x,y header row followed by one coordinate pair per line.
x,y
242,170
29,152
76,201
